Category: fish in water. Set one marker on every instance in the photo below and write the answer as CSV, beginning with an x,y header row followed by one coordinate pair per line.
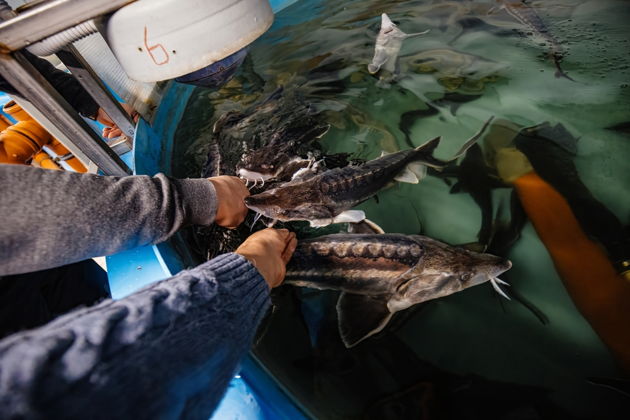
x,y
527,16
388,44
477,178
327,198
280,158
449,65
381,274
551,151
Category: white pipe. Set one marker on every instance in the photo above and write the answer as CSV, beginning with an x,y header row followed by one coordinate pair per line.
x,y
54,43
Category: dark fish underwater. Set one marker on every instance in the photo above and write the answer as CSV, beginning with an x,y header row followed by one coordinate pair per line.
x,y
526,15
380,274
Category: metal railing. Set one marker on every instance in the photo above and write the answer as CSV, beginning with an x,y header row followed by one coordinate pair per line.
x,y
42,21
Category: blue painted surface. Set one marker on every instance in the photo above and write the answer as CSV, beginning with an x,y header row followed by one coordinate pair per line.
x,y
152,149
153,144
278,5
252,395
4,98
131,270
239,403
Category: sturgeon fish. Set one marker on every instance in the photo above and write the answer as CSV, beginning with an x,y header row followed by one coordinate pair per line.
x,y
527,16
327,198
379,275
388,44
280,158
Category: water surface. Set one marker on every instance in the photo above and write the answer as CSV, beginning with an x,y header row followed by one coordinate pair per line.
x,y
471,351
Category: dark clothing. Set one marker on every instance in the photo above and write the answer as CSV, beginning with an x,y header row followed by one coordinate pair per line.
x,y
65,83
167,351
32,299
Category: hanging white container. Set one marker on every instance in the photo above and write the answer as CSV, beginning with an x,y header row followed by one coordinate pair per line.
x,y
163,39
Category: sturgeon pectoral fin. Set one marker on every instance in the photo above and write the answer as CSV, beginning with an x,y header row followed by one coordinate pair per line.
x,y
407,176
373,226
361,316
320,222
418,169
456,188
349,216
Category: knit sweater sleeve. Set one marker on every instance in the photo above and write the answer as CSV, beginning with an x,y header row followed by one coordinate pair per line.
x,y
167,351
51,218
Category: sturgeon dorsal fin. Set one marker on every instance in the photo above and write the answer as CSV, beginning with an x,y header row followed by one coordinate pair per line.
x,y
361,316
429,146
425,158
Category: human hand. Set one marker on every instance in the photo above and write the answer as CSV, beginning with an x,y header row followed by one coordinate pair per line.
x,y
231,193
111,130
269,250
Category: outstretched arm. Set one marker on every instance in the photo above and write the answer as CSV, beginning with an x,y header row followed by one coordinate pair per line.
x,y
167,351
51,218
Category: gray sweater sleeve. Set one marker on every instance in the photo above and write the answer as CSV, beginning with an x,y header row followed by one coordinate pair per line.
x,y
50,218
167,351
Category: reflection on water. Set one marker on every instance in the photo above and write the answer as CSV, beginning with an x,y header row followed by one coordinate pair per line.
x,y
546,187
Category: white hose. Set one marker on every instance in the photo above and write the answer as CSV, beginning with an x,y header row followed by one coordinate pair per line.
x,y
54,43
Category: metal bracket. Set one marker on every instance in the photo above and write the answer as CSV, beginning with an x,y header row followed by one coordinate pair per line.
x,y
36,89
90,81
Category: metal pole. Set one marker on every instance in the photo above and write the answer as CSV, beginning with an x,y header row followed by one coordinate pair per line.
x,y
32,85
50,18
90,81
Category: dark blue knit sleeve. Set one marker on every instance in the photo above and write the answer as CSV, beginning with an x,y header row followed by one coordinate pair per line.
x,y
167,351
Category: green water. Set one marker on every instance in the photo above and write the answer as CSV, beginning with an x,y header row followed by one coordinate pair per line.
x,y
471,65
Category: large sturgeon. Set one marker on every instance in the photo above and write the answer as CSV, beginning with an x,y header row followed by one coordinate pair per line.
x,y
280,158
328,197
379,275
